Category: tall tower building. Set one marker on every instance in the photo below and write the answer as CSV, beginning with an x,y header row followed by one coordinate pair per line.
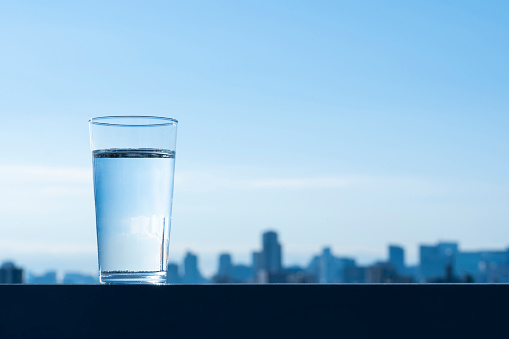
x,y
10,274
191,273
257,263
225,265
271,260
436,261
397,258
172,275
326,266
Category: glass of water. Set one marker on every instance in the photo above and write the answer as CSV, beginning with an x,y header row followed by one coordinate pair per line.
x,y
134,164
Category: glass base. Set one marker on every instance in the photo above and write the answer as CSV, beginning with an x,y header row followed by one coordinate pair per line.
x,y
133,278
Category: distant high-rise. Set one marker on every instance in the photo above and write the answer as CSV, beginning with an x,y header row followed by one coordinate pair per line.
x,y
225,265
483,266
257,264
172,275
326,266
257,261
397,258
431,265
381,272
79,278
10,274
191,273
242,273
448,249
230,273
48,278
271,253
436,260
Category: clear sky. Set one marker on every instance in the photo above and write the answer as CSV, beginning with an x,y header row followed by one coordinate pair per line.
x,y
351,124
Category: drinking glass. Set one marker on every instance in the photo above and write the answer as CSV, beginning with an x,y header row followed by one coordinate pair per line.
x,y
134,164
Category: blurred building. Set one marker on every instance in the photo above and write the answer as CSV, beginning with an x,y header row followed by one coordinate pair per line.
x,y
72,278
385,273
271,260
483,266
381,272
48,278
435,260
328,268
413,272
397,258
10,274
256,264
313,267
191,273
298,275
494,273
172,274
267,277
354,275
242,273
225,266
267,264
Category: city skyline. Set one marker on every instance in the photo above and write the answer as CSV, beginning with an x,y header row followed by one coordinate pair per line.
x,y
443,261
208,263
267,266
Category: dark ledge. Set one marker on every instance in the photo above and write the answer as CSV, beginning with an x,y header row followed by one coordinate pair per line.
x,y
253,311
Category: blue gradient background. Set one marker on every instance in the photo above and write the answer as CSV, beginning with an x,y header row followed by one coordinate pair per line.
x,y
349,124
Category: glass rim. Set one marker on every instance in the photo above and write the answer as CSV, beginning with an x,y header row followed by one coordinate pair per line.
x,y
158,121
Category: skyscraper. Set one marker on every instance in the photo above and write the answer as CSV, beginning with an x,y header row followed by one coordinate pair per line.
x,y
191,273
225,265
436,260
172,275
329,268
397,258
48,278
257,264
10,274
271,253
326,266
448,249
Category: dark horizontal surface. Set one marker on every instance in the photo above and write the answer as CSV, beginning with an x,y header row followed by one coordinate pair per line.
x,y
253,311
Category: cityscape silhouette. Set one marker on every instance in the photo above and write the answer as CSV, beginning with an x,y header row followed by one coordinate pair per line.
x,y
442,262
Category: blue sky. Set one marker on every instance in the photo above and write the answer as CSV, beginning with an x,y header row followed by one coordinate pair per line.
x,y
340,123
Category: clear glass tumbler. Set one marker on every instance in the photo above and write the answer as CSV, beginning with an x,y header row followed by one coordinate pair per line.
x,y
134,164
